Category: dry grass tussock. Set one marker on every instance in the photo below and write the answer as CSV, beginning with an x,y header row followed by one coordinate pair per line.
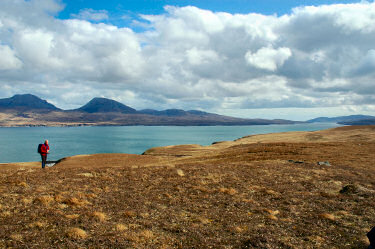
x,y
240,194
74,201
44,200
327,216
76,233
121,227
99,216
72,216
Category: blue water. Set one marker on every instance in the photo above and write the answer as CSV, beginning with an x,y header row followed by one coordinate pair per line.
x,y
20,144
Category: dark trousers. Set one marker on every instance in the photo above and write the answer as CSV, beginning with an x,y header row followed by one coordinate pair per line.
x,y
44,160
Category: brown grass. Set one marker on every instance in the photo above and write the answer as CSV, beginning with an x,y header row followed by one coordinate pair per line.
x,y
121,227
74,201
16,237
76,233
22,184
229,191
45,200
327,216
5,214
180,172
147,235
72,216
130,214
38,224
241,194
99,216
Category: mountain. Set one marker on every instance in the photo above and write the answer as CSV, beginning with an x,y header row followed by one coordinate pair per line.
x,y
341,119
25,102
105,105
29,110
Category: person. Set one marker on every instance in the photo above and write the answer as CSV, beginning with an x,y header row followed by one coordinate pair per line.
x,y
44,150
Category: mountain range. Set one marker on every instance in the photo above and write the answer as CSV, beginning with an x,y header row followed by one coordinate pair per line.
x,y
30,110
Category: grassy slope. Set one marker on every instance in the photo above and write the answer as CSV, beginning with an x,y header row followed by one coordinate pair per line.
x,y
241,194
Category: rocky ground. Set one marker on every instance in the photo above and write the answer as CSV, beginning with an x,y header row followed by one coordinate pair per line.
x,y
264,191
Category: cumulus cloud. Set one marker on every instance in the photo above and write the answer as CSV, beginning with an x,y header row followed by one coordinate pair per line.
x,y
8,60
317,56
268,58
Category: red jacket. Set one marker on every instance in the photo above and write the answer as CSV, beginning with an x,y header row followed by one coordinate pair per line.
x,y
44,149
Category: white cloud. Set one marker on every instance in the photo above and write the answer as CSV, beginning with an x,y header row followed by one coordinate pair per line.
x,y
198,57
268,58
91,15
8,60
320,56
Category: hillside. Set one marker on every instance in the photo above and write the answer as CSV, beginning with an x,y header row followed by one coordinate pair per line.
x,y
262,191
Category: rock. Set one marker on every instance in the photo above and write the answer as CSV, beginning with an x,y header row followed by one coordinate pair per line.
x,y
326,163
371,237
349,189
353,189
298,162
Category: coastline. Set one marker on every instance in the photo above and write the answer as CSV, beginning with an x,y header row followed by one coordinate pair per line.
x,y
289,136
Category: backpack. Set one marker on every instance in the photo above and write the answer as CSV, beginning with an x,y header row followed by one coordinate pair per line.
x,y
40,148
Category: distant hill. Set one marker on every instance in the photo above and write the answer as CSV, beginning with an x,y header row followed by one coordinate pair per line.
x,y
29,110
26,102
370,121
105,105
341,119
173,112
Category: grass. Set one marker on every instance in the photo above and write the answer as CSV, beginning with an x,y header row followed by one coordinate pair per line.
x,y
98,216
76,233
237,195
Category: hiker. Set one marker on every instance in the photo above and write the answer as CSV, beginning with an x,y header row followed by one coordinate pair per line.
x,y
371,238
44,150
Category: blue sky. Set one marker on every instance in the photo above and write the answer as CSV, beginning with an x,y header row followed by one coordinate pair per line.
x,y
268,62
116,7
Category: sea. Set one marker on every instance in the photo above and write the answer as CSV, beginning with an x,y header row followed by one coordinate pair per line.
x,y
19,144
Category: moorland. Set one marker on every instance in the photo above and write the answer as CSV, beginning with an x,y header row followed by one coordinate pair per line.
x,y
286,190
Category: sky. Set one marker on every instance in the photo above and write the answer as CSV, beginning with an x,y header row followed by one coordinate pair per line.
x,y
246,58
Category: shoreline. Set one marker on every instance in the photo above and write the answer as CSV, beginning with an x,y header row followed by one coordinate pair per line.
x,y
216,143
147,125
30,162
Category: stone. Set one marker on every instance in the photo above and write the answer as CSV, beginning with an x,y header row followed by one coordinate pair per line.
x,y
349,189
326,163
371,237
